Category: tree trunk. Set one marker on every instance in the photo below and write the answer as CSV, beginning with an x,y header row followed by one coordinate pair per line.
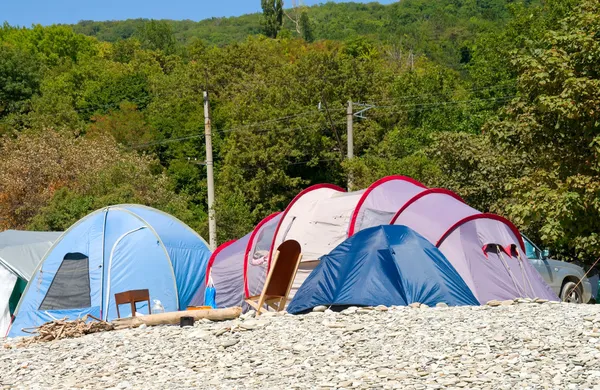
x,y
172,318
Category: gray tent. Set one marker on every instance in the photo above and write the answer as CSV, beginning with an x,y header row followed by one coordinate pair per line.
x,y
20,254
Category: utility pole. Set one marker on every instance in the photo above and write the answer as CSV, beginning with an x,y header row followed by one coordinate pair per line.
x,y
350,114
212,222
350,136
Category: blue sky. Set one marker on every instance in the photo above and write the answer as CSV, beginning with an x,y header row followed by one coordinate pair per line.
x,y
28,12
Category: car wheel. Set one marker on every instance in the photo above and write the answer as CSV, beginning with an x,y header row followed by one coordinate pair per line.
x,y
571,293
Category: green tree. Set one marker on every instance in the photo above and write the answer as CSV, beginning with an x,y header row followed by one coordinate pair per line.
x,y
108,92
537,162
272,19
306,27
54,44
20,78
553,129
157,35
127,125
124,50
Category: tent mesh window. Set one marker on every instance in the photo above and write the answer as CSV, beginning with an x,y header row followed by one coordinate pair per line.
x,y
263,246
70,288
374,217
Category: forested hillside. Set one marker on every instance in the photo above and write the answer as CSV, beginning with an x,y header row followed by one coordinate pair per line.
x,y
497,100
440,29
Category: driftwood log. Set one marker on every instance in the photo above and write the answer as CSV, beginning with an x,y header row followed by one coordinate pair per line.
x,y
172,318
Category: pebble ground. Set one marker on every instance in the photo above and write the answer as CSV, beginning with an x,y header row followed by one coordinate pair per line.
x,y
511,346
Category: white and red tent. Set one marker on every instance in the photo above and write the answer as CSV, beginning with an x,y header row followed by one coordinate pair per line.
x,y
487,250
322,216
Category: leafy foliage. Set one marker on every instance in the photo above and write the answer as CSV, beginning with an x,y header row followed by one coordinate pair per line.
x,y
442,29
50,179
495,99
537,162
272,17
157,35
553,129
306,27
20,77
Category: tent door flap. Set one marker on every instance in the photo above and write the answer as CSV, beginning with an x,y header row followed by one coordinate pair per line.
x,y
70,287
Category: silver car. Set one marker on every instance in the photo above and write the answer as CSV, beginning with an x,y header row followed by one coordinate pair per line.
x,y
561,276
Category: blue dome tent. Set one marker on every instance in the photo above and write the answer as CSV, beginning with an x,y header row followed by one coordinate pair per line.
x,y
115,249
384,265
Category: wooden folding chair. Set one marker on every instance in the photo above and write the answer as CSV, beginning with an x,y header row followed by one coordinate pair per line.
x,y
280,278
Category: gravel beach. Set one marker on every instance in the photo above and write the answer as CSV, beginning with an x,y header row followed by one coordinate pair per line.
x,y
511,346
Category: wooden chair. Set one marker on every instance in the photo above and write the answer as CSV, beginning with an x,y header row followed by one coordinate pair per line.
x,y
132,297
280,278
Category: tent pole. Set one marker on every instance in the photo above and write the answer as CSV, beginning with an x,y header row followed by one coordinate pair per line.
x,y
350,137
103,262
212,223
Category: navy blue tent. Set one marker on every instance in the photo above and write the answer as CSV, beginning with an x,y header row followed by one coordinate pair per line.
x,y
384,265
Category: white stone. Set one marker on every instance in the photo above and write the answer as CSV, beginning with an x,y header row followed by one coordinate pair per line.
x,y
230,343
354,328
350,310
200,334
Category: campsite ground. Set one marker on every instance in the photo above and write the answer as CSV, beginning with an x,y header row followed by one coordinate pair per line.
x,y
521,346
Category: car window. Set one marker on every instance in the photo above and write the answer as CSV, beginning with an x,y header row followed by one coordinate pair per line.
x,y
530,251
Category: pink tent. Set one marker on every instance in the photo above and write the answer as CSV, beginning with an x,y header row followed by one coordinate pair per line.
x,y
238,268
380,202
224,271
487,250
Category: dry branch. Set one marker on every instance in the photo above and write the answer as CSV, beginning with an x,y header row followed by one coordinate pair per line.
x,y
62,329
172,318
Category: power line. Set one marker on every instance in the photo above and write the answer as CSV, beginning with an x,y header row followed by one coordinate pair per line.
x,y
314,112
449,102
413,106
299,128
313,161
402,98
306,113
195,161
